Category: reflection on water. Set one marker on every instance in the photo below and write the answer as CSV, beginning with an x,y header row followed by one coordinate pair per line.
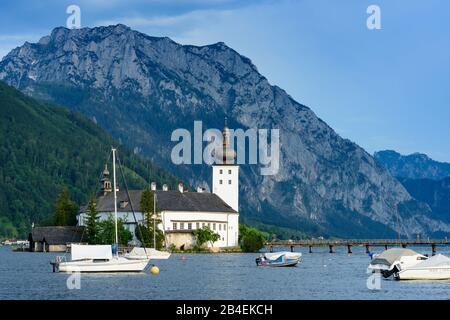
x,y
320,275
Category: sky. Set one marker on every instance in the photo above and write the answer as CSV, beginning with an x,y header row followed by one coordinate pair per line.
x,y
383,89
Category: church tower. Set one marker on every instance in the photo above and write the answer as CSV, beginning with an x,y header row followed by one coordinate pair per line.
x,y
106,182
225,176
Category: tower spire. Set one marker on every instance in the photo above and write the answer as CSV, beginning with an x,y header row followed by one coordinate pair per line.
x,y
105,181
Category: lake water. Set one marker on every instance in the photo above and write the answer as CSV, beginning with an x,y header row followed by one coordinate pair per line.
x,y
320,275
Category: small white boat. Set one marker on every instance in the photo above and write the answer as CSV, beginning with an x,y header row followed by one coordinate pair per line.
x,y
394,260
147,253
98,258
434,268
279,259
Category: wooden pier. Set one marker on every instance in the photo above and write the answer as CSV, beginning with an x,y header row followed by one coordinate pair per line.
x,y
350,243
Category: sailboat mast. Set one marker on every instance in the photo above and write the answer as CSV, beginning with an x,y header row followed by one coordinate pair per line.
x,y
115,195
154,219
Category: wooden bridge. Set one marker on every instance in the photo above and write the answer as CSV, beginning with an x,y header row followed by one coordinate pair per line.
x,y
349,243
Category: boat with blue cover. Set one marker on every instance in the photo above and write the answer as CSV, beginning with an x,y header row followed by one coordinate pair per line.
x,y
279,259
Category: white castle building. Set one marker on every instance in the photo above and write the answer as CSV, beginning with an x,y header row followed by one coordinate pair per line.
x,y
181,212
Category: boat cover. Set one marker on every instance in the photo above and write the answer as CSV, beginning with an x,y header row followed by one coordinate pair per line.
x,y
438,260
389,256
287,254
80,252
149,253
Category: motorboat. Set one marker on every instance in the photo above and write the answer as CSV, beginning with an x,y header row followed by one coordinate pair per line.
x,y
147,253
279,259
434,268
98,258
394,260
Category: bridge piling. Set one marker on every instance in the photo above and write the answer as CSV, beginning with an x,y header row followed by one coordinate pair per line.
x,y
349,248
331,248
433,249
367,248
310,249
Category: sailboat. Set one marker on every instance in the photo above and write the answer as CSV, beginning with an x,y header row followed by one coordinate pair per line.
x,y
150,253
100,258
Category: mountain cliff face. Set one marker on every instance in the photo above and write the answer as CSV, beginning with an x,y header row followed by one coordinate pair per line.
x,y
413,166
141,88
436,193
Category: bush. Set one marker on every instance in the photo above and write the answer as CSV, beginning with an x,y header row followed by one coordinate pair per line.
x,y
205,235
250,239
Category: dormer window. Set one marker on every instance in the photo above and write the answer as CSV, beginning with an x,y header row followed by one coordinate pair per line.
x,y
123,204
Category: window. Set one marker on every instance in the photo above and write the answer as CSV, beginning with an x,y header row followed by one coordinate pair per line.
x,y
174,226
197,225
181,225
209,225
220,181
220,171
229,181
229,171
224,227
189,226
220,227
214,226
203,224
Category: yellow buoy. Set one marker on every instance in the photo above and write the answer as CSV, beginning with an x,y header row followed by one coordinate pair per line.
x,y
154,270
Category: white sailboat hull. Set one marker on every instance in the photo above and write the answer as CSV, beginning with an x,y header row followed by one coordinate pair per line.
x,y
117,264
147,253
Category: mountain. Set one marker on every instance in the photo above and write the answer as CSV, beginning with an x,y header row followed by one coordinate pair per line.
x,y
425,179
436,193
44,148
141,88
413,166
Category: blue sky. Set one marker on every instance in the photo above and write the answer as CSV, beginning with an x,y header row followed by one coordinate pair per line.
x,y
383,89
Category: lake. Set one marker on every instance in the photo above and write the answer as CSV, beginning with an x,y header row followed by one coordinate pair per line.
x,y
320,275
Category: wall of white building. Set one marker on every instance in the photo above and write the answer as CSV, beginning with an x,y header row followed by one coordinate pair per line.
x,y
225,224
226,184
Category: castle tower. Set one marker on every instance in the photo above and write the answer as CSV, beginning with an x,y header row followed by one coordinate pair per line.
x,y
106,182
225,177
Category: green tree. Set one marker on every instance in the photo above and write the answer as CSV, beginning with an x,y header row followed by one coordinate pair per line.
x,y
250,239
65,212
150,230
7,230
91,222
205,235
107,232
